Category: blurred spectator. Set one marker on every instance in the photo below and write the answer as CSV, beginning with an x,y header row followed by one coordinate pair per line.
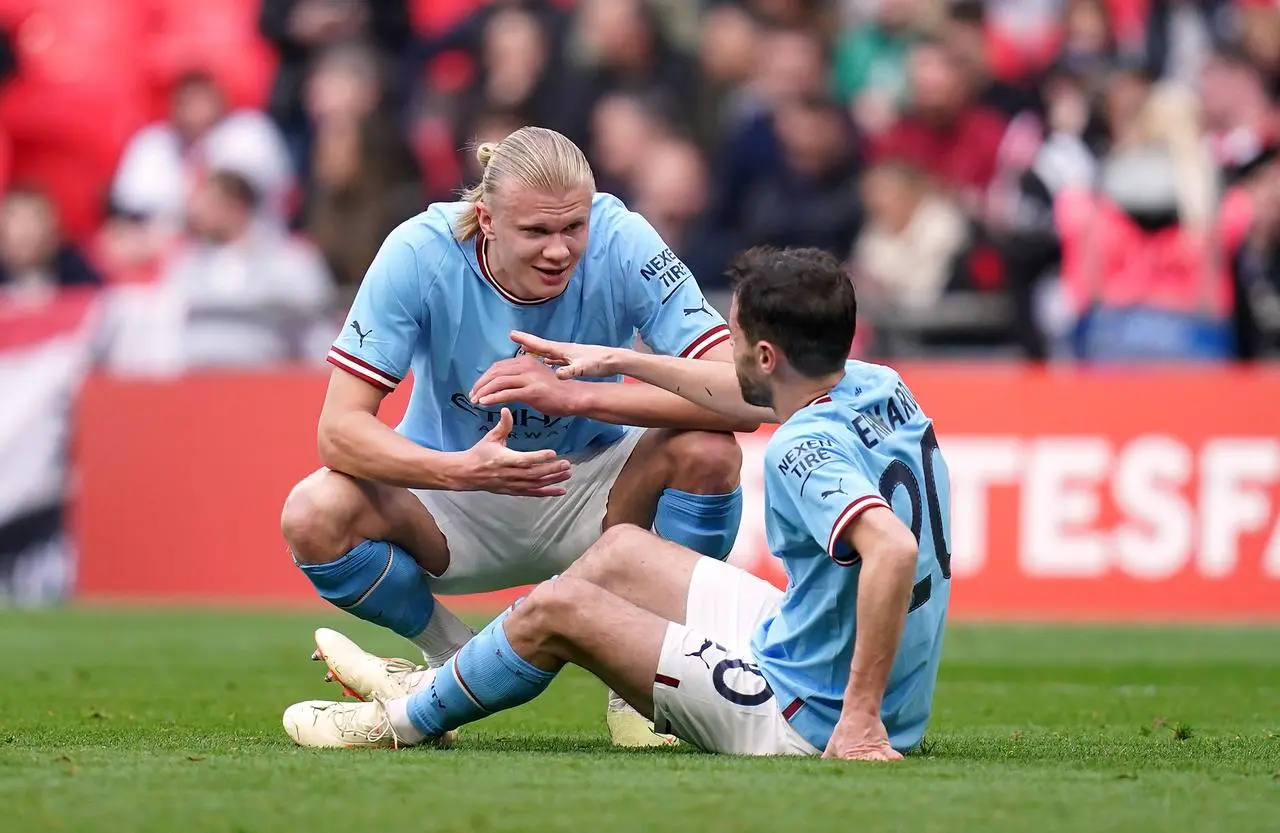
x,y
249,294
913,235
792,65
626,50
728,54
302,29
943,117
469,35
344,89
1258,268
671,192
34,262
1180,35
163,161
812,199
1146,262
870,68
1023,36
965,34
1238,114
1259,28
129,250
623,126
1089,49
362,186
518,72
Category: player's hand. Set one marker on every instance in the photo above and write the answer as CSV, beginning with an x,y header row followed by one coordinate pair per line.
x,y
572,361
526,380
489,466
860,736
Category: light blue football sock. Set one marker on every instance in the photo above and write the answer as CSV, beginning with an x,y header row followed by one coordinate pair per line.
x,y
704,523
486,676
379,582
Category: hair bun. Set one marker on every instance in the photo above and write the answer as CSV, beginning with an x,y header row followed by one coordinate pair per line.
x,y
485,152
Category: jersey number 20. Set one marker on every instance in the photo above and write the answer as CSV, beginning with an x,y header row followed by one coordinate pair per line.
x,y
899,474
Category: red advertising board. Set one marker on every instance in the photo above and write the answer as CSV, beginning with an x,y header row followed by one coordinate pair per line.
x,y
1076,494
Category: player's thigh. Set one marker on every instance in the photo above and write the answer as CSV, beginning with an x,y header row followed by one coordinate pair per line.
x,y
328,513
646,570
491,540
565,527
716,698
728,603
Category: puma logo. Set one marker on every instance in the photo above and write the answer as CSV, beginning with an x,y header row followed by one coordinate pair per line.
x,y
698,654
838,490
703,309
355,325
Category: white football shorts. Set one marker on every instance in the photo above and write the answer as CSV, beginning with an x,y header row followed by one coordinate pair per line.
x,y
708,690
497,542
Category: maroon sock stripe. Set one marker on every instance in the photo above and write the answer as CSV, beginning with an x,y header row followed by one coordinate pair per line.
x,y
466,689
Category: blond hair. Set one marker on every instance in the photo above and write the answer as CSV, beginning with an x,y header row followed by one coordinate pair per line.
x,y
1171,120
532,157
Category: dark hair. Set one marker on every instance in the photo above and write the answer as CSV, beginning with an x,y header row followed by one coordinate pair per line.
x,y
195,77
237,187
968,11
800,300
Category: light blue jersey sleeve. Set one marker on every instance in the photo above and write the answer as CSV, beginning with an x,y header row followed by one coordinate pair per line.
x,y
387,318
664,300
822,486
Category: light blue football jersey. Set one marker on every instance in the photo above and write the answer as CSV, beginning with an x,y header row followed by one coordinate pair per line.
x,y
430,304
866,444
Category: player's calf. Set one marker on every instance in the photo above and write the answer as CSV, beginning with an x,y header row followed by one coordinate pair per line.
x,y
699,503
338,529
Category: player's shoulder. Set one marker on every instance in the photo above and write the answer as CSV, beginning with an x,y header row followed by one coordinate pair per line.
x,y
610,217
866,381
428,237
812,427
607,206
433,228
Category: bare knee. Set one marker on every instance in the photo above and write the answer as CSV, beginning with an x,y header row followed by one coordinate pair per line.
x,y
704,462
320,515
538,625
606,561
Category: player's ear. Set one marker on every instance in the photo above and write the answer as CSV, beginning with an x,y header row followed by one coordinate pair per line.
x,y
484,218
766,356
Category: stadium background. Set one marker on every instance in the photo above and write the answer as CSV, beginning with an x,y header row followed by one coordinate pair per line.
x,y
1063,218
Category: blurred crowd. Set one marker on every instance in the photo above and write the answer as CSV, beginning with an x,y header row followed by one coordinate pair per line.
x,y
1081,180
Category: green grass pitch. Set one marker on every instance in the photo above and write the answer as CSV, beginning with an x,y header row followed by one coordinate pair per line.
x,y
128,720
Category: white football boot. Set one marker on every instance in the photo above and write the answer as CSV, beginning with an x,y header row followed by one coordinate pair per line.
x,y
326,725
366,676
363,675
628,728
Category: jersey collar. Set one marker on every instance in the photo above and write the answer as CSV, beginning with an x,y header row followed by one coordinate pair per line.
x,y
482,260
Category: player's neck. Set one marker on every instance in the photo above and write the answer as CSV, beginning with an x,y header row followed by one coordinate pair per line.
x,y
797,392
502,276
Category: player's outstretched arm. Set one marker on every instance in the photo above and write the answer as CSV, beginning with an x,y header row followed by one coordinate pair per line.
x,y
354,441
888,553
707,383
